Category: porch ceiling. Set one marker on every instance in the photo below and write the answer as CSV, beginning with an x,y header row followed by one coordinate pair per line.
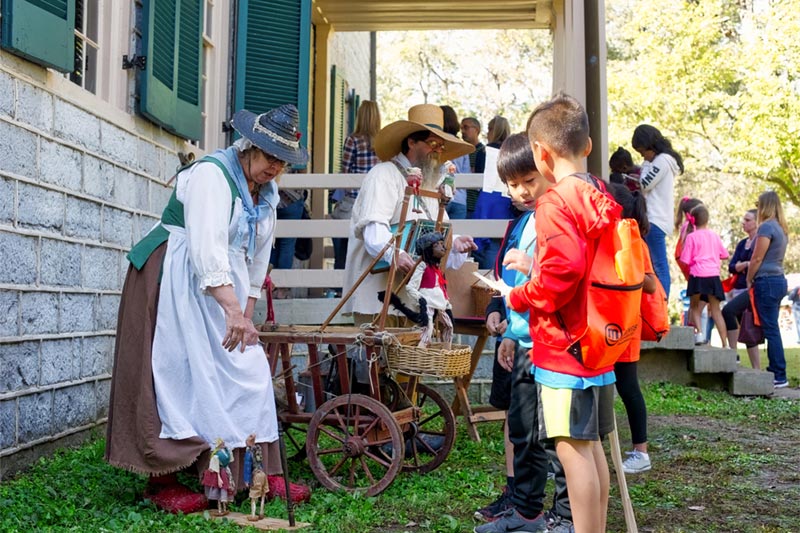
x,y
392,15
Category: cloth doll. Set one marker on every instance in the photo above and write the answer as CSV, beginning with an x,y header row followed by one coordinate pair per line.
x,y
217,479
255,477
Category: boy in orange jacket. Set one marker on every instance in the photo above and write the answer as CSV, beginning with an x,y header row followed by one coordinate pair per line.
x,y
575,402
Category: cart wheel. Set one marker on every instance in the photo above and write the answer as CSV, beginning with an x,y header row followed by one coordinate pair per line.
x,y
354,444
430,438
295,441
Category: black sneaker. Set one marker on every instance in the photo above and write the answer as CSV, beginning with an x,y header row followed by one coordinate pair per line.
x,y
557,523
496,508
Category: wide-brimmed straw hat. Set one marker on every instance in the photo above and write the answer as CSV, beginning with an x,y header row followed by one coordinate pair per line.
x,y
420,117
275,132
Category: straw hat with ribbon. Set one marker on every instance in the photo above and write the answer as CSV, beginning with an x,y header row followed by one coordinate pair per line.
x,y
420,117
274,132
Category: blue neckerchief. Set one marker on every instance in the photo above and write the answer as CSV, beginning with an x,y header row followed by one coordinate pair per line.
x,y
267,199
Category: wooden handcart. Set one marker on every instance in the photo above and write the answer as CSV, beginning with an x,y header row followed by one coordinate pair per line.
x,y
358,439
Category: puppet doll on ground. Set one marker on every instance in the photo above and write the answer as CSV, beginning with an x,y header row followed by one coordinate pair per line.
x,y
255,477
217,478
427,283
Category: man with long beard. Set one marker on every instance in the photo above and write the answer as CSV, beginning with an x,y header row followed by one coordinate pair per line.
x,y
406,147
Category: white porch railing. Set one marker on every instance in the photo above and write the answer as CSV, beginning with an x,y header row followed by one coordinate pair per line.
x,y
326,227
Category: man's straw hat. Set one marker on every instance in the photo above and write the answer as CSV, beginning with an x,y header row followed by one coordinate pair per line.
x,y
420,117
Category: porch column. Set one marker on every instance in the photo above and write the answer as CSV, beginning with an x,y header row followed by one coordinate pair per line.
x,y
579,68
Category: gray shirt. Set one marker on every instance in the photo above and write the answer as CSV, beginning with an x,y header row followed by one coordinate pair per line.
x,y
773,259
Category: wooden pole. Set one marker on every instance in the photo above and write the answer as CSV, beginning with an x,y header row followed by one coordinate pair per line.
x,y
616,457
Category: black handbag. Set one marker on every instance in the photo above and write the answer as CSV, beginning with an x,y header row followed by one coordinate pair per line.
x,y
749,333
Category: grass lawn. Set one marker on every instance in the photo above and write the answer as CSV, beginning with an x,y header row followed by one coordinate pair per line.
x,y
721,464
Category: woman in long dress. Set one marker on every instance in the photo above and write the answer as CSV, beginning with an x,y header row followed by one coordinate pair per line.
x,y
188,368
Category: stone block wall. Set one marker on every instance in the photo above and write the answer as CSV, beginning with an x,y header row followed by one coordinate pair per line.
x,y
349,51
79,184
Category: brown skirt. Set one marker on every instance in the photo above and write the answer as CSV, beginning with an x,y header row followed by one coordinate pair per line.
x,y
132,436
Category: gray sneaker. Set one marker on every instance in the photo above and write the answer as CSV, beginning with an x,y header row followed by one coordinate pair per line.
x,y
558,524
513,522
636,462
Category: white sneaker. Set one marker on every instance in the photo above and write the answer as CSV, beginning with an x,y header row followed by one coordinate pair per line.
x,y
636,462
699,338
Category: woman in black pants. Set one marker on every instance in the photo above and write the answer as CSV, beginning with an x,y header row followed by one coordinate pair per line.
x,y
740,262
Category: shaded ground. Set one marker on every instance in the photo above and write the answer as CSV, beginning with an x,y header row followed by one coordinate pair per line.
x,y
710,475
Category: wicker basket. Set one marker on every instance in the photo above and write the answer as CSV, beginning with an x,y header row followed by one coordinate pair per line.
x,y
431,361
481,296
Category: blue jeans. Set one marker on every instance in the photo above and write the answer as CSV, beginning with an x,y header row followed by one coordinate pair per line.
x,y
456,211
283,250
770,290
657,242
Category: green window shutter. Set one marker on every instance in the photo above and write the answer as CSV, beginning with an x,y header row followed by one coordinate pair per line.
x,y
169,89
338,120
272,56
42,31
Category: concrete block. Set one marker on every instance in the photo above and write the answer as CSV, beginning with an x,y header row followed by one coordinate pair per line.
x,y
75,406
36,416
18,147
34,106
61,361
82,219
749,382
76,125
171,165
40,208
60,165
159,196
118,144
60,263
20,368
142,224
19,259
7,94
148,158
8,200
8,423
678,338
98,177
18,462
131,190
9,313
711,360
101,268
117,226
96,355
102,393
76,312
38,313
106,311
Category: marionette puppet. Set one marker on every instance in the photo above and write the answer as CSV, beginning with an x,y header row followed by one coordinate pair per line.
x,y
255,477
428,287
217,479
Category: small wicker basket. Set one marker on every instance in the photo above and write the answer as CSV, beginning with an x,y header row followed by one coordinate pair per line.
x,y
434,360
481,297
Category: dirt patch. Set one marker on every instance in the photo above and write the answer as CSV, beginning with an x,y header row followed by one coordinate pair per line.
x,y
711,475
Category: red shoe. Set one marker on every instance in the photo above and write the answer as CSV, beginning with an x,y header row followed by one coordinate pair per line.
x,y
176,499
277,488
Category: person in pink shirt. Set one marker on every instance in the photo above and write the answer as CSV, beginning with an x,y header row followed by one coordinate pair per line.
x,y
703,252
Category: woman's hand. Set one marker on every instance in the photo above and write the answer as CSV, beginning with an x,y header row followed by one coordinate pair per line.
x,y
518,260
239,330
505,354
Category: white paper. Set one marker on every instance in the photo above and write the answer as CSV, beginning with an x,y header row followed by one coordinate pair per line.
x,y
491,179
499,286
